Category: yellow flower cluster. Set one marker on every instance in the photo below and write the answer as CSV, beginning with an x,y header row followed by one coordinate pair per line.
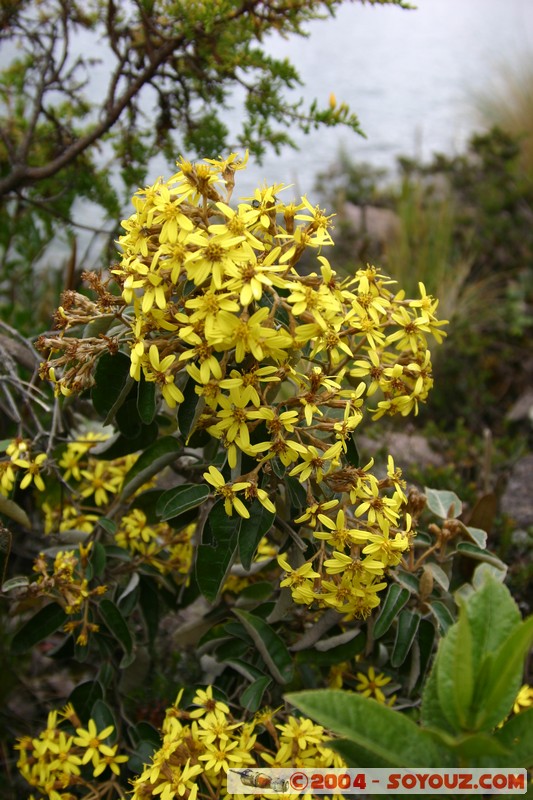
x,y
201,745
283,365
360,537
20,460
65,582
159,545
65,754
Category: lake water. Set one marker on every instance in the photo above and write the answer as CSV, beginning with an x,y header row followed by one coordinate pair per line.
x,y
411,76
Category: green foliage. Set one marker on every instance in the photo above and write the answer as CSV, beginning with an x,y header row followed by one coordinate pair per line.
x,y
465,703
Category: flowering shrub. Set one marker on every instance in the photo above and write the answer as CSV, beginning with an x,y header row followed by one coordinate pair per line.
x,y
276,367
214,489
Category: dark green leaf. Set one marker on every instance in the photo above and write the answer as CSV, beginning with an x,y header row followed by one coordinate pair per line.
x,y
406,630
146,400
392,604
158,455
252,696
271,647
352,453
146,732
83,698
45,622
442,614
116,624
408,580
181,499
190,410
426,638
244,668
112,384
335,655
98,559
127,418
214,560
254,594
252,531
392,739
297,493
109,525
5,550
149,601
479,554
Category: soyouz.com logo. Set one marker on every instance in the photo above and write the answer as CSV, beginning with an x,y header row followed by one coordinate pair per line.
x,y
376,781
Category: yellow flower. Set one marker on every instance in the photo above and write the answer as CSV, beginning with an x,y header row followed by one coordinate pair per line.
x,y
524,699
32,468
370,685
93,742
207,703
228,492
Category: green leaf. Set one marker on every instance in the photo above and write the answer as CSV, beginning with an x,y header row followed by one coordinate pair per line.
x,y
426,639
98,560
474,749
517,736
442,614
455,673
149,602
146,400
492,614
17,582
296,492
252,531
432,714
271,647
214,560
499,691
443,503
190,410
45,622
116,624
14,512
180,499
112,384
352,453
478,536
252,696
109,525
334,655
84,696
479,554
384,737
406,630
392,604
438,575
158,455
5,551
